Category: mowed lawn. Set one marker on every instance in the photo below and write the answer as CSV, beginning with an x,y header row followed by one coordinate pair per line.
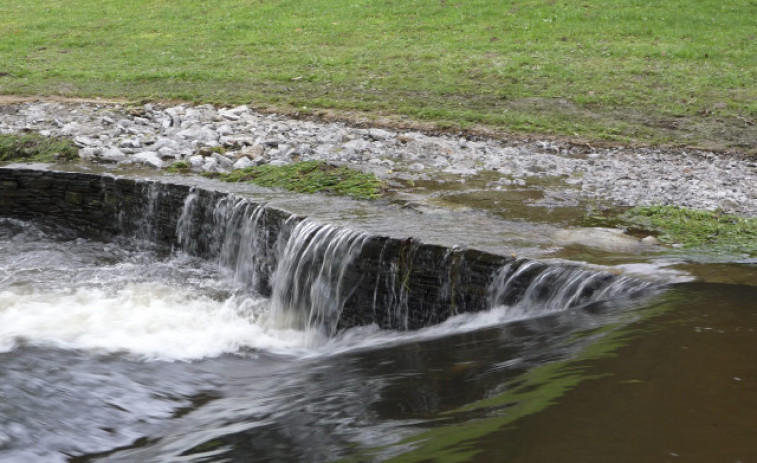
x,y
672,71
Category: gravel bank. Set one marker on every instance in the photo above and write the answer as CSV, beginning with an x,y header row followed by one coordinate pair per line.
x,y
158,136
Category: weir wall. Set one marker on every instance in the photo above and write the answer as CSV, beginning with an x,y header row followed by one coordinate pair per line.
x,y
394,283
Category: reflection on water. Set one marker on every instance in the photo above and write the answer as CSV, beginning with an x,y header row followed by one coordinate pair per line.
x,y
685,391
113,353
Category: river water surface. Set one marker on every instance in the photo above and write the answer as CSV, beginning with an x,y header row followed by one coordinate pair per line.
x,y
118,352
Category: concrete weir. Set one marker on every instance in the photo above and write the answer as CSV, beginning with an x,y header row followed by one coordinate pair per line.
x,y
318,276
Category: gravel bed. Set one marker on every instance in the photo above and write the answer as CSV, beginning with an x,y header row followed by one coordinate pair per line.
x,y
214,139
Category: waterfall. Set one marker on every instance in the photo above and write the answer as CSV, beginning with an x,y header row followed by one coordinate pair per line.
x,y
315,277
243,248
185,223
322,278
146,229
316,273
530,288
307,268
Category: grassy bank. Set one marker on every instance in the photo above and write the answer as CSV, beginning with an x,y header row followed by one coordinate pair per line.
x,y
311,177
675,72
36,148
712,231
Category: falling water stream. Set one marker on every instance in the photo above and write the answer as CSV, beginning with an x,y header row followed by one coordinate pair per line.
x,y
121,351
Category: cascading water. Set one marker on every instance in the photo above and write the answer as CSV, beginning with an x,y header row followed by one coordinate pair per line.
x,y
145,229
530,289
184,224
314,277
308,264
311,270
243,247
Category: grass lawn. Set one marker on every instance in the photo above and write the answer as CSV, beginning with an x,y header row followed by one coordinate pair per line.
x,y
675,72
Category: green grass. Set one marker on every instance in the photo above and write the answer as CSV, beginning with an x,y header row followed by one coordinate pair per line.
x,y
696,229
627,70
311,177
36,148
179,167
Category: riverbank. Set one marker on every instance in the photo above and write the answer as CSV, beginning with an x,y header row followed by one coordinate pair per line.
x,y
214,139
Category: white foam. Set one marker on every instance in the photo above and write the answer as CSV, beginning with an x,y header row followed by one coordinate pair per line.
x,y
152,321
159,322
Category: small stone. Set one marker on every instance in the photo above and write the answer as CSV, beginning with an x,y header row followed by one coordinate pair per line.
x,y
175,111
650,241
225,130
233,142
81,141
243,163
278,163
166,142
209,165
729,204
380,134
71,128
131,143
112,155
165,153
149,158
222,161
201,134
252,152
88,153
196,161
239,110
228,115
357,146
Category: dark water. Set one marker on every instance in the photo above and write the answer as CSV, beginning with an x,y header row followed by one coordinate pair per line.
x,y
110,352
